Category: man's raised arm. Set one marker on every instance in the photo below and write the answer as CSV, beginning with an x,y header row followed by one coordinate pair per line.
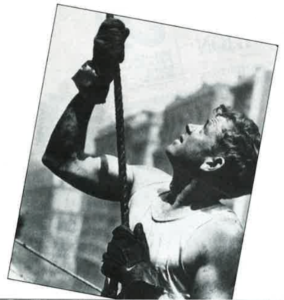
x,y
64,155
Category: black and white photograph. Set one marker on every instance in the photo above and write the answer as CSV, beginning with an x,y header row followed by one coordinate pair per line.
x,y
143,159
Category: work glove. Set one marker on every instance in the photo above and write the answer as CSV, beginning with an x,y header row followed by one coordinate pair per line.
x,y
127,260
94,77
108,49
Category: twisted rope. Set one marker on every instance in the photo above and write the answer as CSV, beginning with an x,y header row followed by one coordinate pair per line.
x,y
110,289
121,152
120,143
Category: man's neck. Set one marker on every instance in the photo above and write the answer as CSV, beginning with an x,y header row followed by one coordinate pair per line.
x,y
186,190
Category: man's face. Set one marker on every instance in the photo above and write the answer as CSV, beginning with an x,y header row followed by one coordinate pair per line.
x,y
198,142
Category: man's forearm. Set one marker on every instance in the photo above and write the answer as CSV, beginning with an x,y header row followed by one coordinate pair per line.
x,y
67,141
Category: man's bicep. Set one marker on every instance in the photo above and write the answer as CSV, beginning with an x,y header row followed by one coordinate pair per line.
x,y
96,176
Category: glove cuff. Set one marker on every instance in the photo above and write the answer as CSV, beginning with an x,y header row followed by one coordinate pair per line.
x,y
90,84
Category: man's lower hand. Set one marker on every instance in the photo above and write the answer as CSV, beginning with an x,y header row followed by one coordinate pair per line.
x,y
127,260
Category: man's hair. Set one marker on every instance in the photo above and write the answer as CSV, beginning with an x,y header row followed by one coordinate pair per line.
x,y
240,146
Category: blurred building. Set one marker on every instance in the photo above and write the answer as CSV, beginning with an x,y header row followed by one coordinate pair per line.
x,y
35,212
73,229
52,218
61,242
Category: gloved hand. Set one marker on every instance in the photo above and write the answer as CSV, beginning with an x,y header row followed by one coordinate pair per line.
x,y
125,250
108,49
94,77
127,260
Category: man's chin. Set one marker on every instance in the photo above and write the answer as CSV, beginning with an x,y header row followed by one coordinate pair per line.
x,y
170,149
171,153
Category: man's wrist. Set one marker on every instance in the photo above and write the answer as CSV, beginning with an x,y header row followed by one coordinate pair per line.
x,y
149,273
141,290
90,84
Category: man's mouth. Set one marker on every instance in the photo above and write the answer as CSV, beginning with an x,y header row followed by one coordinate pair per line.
x,y
181,138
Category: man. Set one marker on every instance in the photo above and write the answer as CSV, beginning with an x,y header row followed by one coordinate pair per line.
x,y
182,243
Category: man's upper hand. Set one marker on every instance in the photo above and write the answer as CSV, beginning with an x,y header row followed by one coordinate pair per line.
x,y
108,49
94,77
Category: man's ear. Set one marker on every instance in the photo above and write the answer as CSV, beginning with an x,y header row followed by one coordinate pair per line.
x,y
212,163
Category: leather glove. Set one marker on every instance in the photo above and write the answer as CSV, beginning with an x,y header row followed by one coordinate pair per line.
x,y
125,250
127,260
94,77
108,49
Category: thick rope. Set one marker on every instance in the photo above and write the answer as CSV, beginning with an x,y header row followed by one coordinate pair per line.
x,y
110,289
77,277
120,140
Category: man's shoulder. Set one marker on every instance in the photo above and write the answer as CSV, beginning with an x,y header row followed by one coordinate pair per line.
x,y
222,218
224,221
224,233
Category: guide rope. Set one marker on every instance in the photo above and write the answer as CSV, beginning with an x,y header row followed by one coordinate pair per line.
x,y
43,257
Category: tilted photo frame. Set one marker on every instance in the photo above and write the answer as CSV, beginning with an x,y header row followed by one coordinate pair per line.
x,y
183,110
